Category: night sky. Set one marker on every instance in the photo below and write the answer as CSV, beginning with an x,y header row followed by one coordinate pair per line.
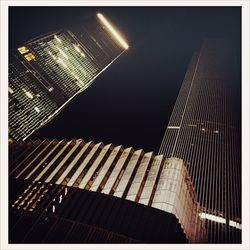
x,y
131,102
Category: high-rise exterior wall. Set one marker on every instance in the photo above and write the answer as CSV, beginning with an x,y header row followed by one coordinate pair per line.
x,y
125,173
48,71
205,131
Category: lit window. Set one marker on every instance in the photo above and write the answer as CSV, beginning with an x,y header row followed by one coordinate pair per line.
x,y
37,109
77,48
58,39
63,53
203,129
23,50
219,220
59,60
11,90
29,57
235,224
28,94
212,218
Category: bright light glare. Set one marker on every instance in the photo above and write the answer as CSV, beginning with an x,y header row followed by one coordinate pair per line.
x,y
219,220
112,30
28,94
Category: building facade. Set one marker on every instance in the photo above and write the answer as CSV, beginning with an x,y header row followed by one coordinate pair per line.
x,y
48,71
205,131
54,179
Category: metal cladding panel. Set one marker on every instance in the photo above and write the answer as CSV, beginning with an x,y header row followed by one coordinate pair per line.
x,y
137,181
83,165
115,173
17,167
174,195
74,161
35,159
60,165
205,131
38,170
149,185
127,173
105,168
94,166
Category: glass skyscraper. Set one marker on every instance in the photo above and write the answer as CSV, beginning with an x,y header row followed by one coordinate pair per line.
x,y
48,71
205,131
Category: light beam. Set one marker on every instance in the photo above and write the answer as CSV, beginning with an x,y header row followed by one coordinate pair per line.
x,y
111,29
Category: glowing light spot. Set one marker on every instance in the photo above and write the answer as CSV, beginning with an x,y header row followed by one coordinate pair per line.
x,y
77,48
59,60
11,91
23,50
63,53
58,39
111,29
212,218
60,199
219,220
29,57
28,94
37,109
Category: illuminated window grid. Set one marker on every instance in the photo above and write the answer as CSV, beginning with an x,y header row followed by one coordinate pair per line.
x,y
211,107
20,79
74,63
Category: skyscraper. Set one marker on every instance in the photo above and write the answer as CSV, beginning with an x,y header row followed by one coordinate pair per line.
x,y
205,131
48,71
97,185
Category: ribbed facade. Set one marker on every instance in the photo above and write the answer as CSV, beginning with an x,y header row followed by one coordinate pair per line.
x,y
205,131
48,71
53,169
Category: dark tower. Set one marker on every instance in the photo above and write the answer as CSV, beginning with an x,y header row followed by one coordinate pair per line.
x,y
205,131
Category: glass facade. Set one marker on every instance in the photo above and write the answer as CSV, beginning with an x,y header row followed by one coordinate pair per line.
x,y
205,131
46,72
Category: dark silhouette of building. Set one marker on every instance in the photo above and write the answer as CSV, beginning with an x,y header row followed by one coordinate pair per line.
x,y
72,191
205,131
48,71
